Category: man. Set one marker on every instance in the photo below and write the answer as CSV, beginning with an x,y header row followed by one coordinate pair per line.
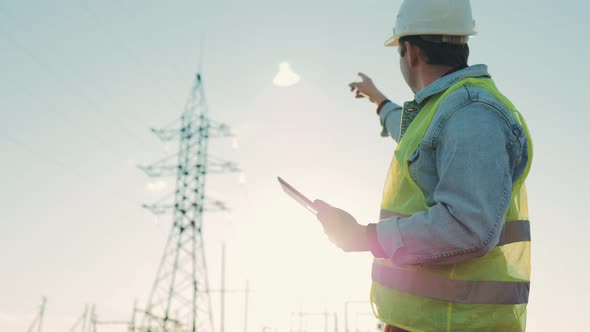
x,y
452,246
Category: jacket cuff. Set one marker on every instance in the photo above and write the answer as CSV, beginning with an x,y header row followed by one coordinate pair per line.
x,y
380,107
373,240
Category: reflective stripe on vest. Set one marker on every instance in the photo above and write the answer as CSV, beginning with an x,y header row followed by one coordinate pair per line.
x,y
457,291
513,231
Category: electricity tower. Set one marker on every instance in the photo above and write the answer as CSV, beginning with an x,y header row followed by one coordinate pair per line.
x,y
37,323
180,296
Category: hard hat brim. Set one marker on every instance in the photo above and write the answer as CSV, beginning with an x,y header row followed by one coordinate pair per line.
x,y
393,41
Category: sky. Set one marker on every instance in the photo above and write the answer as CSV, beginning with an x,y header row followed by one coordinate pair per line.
x,y
83,81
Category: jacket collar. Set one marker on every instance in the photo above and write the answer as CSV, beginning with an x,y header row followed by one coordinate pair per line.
x,y
447,81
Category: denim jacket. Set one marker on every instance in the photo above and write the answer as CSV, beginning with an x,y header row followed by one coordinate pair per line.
x,y
471,144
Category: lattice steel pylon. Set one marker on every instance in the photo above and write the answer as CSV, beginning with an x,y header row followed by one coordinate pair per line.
x,y
180,296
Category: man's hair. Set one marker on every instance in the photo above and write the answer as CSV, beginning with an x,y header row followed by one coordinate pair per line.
x,y
439,50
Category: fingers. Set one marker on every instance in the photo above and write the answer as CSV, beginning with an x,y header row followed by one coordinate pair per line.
x,y
353,87
327,214
364,85
364,77
320,205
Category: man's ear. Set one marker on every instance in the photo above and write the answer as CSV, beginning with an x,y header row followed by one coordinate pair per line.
x,y
413,53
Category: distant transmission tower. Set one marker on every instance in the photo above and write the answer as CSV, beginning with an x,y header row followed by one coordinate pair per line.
x,y
80,324
180,296
37,324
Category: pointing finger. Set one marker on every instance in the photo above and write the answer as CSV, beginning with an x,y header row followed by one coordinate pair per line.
x,y
364,77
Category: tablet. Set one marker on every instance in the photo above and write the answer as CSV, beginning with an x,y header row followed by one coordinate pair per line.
x,y
296,195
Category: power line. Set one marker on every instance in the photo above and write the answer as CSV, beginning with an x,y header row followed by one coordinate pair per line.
x,y
68,86
92,14
149,37
42,154
39,154
153,40
100,139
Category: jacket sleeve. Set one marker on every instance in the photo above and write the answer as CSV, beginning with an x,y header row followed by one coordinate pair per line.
x,y
390,115
473,164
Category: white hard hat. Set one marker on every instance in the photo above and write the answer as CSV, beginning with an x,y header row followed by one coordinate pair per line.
x,y
433,17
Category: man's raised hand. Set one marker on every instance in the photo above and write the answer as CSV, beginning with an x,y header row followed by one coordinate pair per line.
x,y
366,88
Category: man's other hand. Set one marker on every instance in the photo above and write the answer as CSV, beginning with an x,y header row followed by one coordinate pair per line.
x,y
366,88
341,228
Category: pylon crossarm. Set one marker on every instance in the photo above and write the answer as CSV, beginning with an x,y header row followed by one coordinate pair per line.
x,y
166,135
219,130
158,209
158,171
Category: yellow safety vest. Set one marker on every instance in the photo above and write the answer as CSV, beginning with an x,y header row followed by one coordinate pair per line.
x,y
488,293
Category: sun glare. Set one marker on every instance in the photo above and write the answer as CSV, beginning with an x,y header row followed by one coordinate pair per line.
x,y
286,76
